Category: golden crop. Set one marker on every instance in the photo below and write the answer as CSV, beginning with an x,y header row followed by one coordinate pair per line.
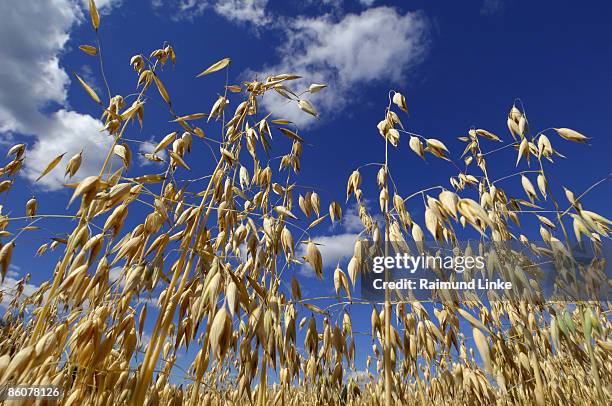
x,y
219,248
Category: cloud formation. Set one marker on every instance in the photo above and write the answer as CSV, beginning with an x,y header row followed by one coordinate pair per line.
x,y
343,51
379,44
148,147
32,82
335,248
238,11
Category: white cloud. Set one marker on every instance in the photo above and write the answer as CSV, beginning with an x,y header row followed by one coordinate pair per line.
x,y
335,248
68,132
103,6
490,7
335,5
147,147
239,11
351,221
378,45
243,10
32,38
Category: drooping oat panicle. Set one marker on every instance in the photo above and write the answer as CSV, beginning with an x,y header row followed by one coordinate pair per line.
x,y
221,257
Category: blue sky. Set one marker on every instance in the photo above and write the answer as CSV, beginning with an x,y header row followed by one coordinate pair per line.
x,y
459,64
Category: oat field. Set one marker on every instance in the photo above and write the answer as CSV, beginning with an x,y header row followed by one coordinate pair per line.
x,y
205,262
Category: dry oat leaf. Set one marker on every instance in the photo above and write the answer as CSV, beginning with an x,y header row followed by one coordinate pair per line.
x,y
284,92
152,157
393,136
528,188
31,206
228,155
315,203
437,148
544,146
306,106
580,228
88,49
18,363
305,205
400,101
281,121
233,308
162,90
199,132
335,211
353,270
316,222
189,117
473,320
291,134
314,308
220,332
541,180
515,114
234,88
218,107
313,257
94,15
341,282
215,67
449,201
50,166
527,204
30,228
296,291
417,146
606,345
314,88
86,185
488,135
257,287
42,249
167,140
472,211
74,164
546,221
282,210
523,125
483,348
177,158
571,135
123,152
513,127
17,150
523,150
6,252
5,185
92,93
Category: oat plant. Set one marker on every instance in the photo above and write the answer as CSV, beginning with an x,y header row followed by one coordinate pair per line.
x,y
208,261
